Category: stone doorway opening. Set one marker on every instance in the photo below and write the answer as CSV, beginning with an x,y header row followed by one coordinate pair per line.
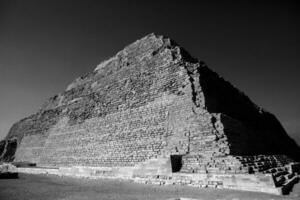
x,y
176,162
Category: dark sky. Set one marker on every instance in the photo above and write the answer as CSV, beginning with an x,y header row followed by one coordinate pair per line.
x,y
44,45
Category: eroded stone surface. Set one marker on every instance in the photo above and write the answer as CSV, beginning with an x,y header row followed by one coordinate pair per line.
x,y
152,100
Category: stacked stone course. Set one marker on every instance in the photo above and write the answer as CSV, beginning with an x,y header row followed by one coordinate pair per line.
x,y
152,100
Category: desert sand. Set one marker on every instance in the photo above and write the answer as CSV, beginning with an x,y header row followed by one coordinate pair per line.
x,y
51,187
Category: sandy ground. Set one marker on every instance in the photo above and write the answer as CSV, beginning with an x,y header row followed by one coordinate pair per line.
x,y
43,187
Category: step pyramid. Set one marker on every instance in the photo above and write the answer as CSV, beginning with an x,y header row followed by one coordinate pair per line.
x,y
154,103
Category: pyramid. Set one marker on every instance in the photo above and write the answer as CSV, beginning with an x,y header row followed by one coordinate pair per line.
x,y
155,114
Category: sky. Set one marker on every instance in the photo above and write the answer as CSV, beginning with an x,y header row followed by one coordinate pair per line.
x,y
45,45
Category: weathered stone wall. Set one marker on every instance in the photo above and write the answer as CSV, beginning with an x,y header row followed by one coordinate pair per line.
x,y
150,100
120,139
123,114
31,148
127,111
232,164
2,147
249,128
8,149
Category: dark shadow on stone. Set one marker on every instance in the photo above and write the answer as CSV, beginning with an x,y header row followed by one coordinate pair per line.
x,y
288,188
250,129
11,148
24,164
176,162
2,147
9,175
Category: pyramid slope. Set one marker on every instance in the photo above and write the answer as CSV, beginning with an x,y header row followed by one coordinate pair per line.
x,y
152,100
133,74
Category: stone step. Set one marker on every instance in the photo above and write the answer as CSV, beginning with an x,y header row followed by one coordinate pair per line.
x,y
280,173
288,185
289,176
279,181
